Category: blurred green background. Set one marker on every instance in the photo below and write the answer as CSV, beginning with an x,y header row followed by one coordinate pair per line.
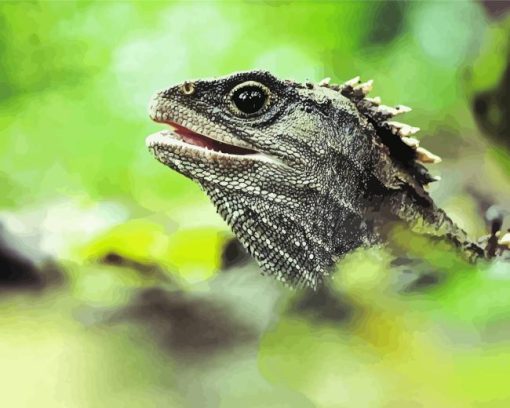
x,y
114,288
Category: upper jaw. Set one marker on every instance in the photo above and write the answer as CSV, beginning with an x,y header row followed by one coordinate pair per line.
x,y
200,139
160,112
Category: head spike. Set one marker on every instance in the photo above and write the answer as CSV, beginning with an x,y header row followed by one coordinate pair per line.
x,y
352,82
365,87
325,81
505,240
402,129
425,156
403,109
385,112
408,131
376,100
411,142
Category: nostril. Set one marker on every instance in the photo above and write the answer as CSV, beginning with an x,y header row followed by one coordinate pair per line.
x,y
187,88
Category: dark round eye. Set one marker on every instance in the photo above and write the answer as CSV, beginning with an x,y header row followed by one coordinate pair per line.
x,y
250,97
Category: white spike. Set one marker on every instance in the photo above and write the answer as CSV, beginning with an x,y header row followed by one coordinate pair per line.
x,y
403,109
505,240
325,81
411,142
392,111
402,129
365,87
425,156
376,100
408,131
353,81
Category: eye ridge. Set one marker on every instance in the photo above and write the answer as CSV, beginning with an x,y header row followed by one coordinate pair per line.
x,y
249,98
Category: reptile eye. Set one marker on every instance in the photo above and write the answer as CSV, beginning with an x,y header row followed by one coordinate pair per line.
x,y
250,97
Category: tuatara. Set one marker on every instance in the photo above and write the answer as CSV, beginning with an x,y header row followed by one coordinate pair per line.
x,y
302,173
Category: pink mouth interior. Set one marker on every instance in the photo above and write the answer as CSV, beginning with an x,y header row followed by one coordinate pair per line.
x,y
197,139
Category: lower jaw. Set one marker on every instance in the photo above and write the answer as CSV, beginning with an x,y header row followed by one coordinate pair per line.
x,y
171,143
185,159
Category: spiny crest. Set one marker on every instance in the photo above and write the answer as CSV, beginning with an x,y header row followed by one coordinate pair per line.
x,y
397,136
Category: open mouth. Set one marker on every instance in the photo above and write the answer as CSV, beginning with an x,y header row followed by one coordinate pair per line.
x,y
190,144
181,142
196,139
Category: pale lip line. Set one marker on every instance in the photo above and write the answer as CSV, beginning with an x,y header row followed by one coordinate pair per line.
x,y
169,140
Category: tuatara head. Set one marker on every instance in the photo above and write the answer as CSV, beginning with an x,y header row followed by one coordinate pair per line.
x,y
287,165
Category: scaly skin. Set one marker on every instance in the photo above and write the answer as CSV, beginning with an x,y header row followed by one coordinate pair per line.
x,y
325,173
